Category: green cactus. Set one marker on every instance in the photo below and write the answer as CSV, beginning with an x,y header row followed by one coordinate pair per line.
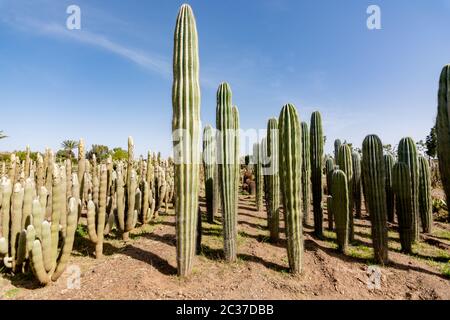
x,y
306,172
81,168
290,154
210,167
401,184
374,176
389,162
443,130
258,170
407,153
425,201
227,169
273,179
96,215
337,145
237,147
345,164
329,168
340,207
316,137
357,196
45,264
186,123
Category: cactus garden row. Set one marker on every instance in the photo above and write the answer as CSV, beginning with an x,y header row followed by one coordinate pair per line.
x,y
44,201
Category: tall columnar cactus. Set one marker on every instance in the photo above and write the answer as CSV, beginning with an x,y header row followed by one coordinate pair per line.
x,y
316,136
273,179
407,153
258,177
425,201
237,147
186,124
443,130
346,165
210,167
374,176
227,169
389,162
290,154
340,207
329,168
401,183
357,197
46,264
96,215
337,145
306,172
81,166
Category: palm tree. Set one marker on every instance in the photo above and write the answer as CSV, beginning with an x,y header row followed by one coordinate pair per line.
x,y
68,146
2,135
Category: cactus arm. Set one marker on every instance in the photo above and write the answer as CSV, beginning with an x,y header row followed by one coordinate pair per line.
x,y
38,264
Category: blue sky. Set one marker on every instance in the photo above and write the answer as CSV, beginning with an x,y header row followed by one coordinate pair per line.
x,y
112,78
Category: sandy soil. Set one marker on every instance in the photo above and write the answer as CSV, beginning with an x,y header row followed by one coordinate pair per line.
x,y
145,268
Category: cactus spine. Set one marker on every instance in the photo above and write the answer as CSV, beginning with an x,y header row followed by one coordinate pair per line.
x,y
425,202
346,165
227,169
374,176
357,196
210,167
401,178
316,136
407,153
306,172
443,130
290,173
273,179
389,162
186,122
340,207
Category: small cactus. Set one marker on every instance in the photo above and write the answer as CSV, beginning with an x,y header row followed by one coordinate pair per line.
x,y
258,170
346,165
357,196
306,172
210,168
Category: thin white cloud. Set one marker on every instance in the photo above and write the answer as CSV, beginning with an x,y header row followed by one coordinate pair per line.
x,y
145,60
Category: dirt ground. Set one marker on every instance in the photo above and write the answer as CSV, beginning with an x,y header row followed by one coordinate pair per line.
x,y
145,267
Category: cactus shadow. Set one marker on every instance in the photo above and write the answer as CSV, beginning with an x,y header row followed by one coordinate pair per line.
x,y
265,263
151,258
24,280
169,239
248,208
253,225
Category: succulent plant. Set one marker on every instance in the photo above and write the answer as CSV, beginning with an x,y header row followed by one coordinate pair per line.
x,y
340,207
330,212
389,162
258,170
425,201
210,168
407,153
290,154
443,130
306,172
329,168
374,176
273,179
225,124
357,196
346,165
337,145
316,136
401,178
